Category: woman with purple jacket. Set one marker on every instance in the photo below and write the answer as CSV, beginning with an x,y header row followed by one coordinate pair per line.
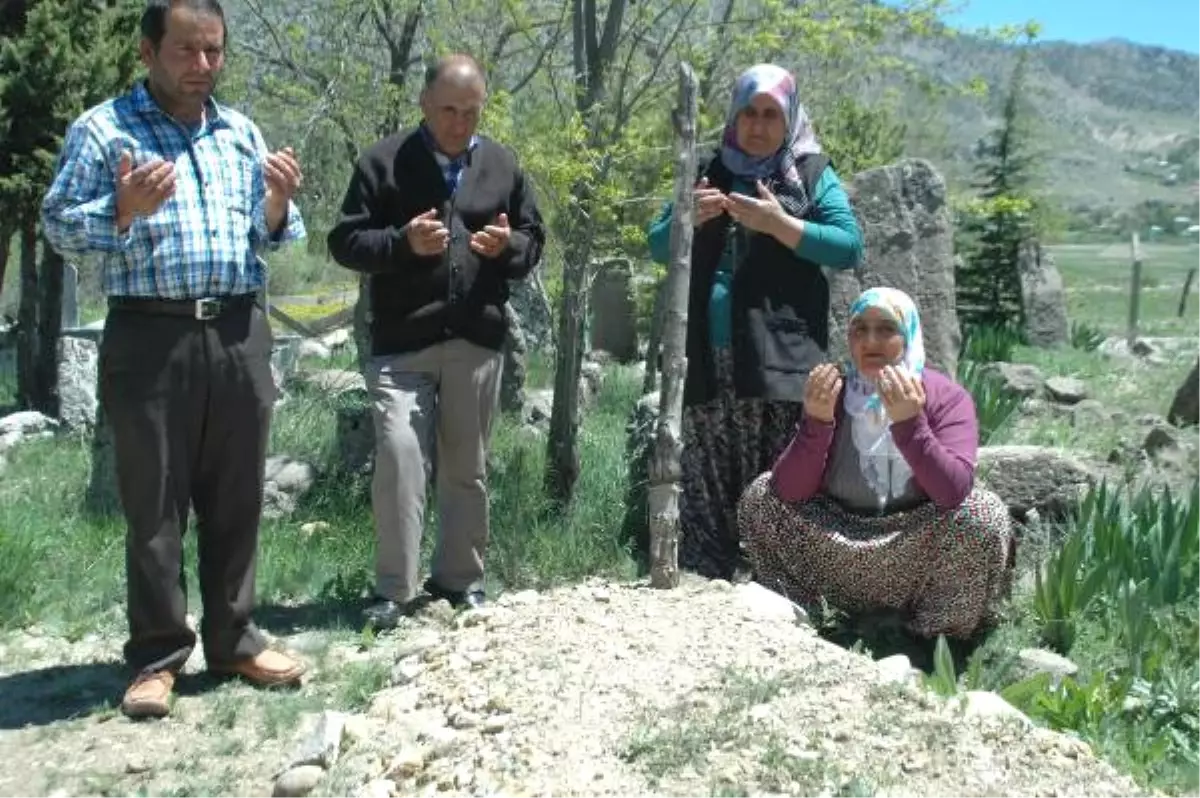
x,y
872,504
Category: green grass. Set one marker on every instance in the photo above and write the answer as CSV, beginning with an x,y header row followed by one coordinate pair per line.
x,y
65,569
1097,278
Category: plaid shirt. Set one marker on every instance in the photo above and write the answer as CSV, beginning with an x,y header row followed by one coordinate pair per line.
x,y
204,240
451,167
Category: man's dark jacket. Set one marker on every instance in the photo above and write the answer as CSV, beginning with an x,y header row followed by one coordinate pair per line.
x,y
417,301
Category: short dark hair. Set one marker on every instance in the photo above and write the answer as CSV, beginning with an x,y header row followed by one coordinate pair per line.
x,y
435,69
154,18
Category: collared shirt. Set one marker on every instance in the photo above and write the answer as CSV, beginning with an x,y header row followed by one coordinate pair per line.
x,y
204,240
451,167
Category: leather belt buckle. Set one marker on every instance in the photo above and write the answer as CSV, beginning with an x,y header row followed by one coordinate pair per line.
x,y
207,309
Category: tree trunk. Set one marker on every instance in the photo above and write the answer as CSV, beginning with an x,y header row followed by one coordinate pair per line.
x,y
6,236
39,323
665,472
562,456
654,344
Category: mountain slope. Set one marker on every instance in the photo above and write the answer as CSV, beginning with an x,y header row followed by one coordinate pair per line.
x,y
1114,122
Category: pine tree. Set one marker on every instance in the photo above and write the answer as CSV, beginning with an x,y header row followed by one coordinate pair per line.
x,y
1000,220
56,60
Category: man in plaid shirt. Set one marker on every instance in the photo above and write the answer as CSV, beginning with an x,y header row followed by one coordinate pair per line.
x,y
172,196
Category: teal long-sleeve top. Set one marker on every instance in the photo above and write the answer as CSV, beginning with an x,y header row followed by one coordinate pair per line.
x,y
831,238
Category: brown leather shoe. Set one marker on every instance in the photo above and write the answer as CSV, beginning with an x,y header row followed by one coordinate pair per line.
x,y
149,696
268,669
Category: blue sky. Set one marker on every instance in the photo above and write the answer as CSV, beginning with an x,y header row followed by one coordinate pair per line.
x,y
1168,23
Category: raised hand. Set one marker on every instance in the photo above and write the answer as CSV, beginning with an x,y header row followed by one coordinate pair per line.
x,y
760,214
282,173
903,394
426,234
821,393
142,191
710,202
493,238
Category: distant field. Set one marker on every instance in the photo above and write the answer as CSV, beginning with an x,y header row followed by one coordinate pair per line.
x,y
1097,277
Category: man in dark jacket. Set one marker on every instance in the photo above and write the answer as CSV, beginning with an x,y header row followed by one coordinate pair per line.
x,y
441,219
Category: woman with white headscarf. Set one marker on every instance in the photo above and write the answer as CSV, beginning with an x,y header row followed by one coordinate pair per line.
x,y
873,504
769,213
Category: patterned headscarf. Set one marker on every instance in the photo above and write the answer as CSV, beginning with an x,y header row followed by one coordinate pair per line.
x,y
779,84
882,464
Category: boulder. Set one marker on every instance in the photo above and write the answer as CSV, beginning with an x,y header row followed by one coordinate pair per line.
x,y
908,244
1034,478
1185,407
512,378
1066,390
1043,296
1018,378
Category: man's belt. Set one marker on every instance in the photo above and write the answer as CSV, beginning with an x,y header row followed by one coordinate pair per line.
x,y
203,309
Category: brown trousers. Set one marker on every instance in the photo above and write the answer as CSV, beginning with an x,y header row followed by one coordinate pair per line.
x,y
190,405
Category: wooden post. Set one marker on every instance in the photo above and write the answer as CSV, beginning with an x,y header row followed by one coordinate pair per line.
x,y
664,470
1187,286
1135,290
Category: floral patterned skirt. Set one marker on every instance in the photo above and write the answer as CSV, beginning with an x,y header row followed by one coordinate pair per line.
x,y
727,442
946,569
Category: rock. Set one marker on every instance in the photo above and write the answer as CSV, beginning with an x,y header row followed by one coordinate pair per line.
x,y
418,644
355,436
323,744
394,703
1066,390
1018,378
135,765
530,302
313,349
760,604
1034,477
1089,413
78,369
1033,661
494,724
614,311
26,423
338,339
332,383
1185,407
356,729
313,528
1162,445
1118,347
512,377
288,474
286,481
377,788
1043,296
896,669
408,763
908,244
591,379
986,704
407,672
538,406
298,781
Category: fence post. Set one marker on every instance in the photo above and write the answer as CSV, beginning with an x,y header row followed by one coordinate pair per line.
x,y
1135,289
1187,286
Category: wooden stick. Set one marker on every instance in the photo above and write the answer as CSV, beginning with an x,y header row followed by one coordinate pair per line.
x,y
1135,289
1187,287
664,472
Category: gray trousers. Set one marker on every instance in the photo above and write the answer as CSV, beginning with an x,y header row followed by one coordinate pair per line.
x,y
432,405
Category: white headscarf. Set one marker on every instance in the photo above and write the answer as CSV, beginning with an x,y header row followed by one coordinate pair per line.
x,y
882,464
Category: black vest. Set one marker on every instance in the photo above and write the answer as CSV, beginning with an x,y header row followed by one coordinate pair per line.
x,y
780,303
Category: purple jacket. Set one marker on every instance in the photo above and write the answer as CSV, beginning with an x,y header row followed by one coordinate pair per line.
x,y
939,446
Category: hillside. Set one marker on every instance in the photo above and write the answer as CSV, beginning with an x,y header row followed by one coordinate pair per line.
x,y
1114,122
